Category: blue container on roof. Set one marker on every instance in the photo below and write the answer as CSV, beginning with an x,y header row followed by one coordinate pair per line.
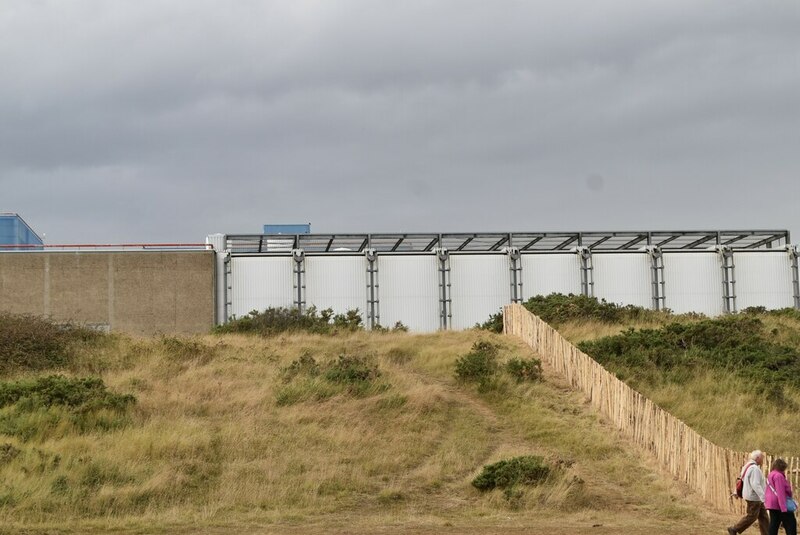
x,y
288,229
15,231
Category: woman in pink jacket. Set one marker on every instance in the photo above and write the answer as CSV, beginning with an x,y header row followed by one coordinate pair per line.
x,y
778,489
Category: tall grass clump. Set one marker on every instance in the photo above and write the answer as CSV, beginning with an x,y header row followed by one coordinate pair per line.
x,y
307,379
275,320
31,343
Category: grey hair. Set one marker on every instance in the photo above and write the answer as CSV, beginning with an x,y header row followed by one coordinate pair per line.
x,y
755,454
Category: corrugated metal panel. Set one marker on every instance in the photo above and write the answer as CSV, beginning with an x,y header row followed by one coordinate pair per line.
x,y
693,283
409,291
260,283
763,279
337,282
480,286
623,278
543,274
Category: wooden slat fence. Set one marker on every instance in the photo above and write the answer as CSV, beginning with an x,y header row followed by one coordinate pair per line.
x,y
707,469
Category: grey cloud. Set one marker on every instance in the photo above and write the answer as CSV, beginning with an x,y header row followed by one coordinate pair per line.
x,y
164,121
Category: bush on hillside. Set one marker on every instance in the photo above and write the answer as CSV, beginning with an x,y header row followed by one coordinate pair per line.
x,y
493,324
738,343
479,365
524,370
306,378
31,343
35,407
275,320
507,474
557,309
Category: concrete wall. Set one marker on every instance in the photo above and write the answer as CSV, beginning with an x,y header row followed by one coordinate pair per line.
x,y
135,292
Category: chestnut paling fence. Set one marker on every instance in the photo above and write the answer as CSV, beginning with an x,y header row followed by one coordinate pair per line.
x,y
707,469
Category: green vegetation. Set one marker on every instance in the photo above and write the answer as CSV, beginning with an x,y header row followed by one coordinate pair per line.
x,y
739,344
35,408
275,320
508,473
481,366
306,379
31,343
558,309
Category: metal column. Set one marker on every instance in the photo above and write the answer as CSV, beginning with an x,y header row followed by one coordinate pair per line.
x,y
794,253
228,295
299,257
445,309
657,277
221,276
728,279
587,271
373,303
515,269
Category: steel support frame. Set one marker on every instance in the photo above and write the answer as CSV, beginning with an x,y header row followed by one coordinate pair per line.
x,y
657,283
794,254
373,300
445,301
728,279
587,271
228,291
515,272
299,282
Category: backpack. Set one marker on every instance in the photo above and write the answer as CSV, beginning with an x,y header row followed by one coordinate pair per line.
x,y
740,480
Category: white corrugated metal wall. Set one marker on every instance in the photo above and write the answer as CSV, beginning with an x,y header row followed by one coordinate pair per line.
x,y
260,282
480,286
409,291
408,285
546,273
337,282
693,282
623,278
763,279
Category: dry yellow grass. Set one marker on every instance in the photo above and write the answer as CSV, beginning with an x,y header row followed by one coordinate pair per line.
x,y
211,450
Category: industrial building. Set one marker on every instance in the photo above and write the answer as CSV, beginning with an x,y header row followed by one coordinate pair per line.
x,y
427,281
453,281
14,231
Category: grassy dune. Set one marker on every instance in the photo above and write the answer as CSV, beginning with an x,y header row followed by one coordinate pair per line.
x,y
223,437
725,405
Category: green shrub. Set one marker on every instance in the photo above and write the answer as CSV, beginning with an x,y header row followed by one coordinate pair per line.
x,y
275,320
507,474
479,365
493,324
80,393
35,407
559,308
398,327
737,344
351,370
31,343
307,379
524,370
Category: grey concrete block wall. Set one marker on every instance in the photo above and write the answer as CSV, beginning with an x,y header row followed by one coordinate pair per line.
x,y
135,292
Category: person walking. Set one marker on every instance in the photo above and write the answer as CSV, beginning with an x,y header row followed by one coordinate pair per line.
x,y
778,491
753,494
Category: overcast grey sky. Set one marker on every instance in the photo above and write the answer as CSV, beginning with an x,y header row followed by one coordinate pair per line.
x,y
163,121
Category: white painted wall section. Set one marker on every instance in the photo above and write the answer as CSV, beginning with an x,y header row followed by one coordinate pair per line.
x,y
623,278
